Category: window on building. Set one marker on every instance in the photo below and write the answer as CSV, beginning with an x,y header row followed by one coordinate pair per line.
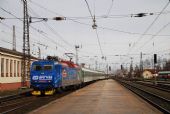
x,y
7,67
2,67
15,68
18,68
11,68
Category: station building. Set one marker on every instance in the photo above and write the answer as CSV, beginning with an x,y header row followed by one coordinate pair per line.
x,y
10,69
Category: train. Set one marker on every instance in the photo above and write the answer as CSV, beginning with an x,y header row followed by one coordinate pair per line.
x,y
164,75
46,76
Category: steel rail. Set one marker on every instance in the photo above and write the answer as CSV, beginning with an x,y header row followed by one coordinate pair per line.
x,y
153,86
13,97
16,108
149,97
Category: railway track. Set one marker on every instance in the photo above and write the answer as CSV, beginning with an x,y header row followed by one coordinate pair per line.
x,y
15,104
157,86
26,104
160,101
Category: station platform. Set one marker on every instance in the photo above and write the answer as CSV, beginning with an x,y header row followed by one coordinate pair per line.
x,y
101,97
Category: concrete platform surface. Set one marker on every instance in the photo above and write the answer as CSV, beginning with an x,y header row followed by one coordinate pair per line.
x,y
102,97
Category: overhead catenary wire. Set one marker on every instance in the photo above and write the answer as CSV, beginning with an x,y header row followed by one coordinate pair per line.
x,y
153,36
105,28
16,29
100,27
37,42
109,10
46,9
148,28
53,31
93,18
99,43
97,17
117,30
37,30
20,46
89,10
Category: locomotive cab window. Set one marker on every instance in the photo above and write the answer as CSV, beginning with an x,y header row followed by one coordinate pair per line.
x,y
48,67
37,67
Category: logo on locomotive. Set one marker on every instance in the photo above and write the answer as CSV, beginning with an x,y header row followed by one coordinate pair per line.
x,y
42,78
64,73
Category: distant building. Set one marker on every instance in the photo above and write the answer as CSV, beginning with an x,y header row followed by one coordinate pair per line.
x,y
10,69
148,73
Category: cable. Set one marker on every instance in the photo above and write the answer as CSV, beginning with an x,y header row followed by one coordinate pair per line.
x,y
163,51
93,18
105,28
154,35
53,13
116,30
108,12
18,37
53,31
148,28
11,14
18,31
57,34
89,10
97,17
50,10
99,43
37,30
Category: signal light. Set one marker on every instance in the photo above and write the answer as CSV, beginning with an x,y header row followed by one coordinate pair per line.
x,y
121,67
109,68
155,58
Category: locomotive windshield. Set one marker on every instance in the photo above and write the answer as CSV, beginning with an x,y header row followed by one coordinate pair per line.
x,y
37,67
45,67
48,67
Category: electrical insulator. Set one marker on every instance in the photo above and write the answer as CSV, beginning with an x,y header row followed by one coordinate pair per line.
x,y
59,18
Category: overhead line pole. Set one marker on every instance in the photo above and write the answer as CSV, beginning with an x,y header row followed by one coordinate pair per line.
x,y
76,48
14,39
26,46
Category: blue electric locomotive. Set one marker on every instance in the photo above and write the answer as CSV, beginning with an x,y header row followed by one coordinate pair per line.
x,y
47,75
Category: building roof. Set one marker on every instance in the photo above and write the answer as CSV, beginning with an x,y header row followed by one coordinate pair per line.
x,y
13,52
151,70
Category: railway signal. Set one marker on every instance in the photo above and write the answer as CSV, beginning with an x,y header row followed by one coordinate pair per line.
x,y
155,58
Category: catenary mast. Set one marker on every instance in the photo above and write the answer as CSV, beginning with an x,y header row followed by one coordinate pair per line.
x,y
26,46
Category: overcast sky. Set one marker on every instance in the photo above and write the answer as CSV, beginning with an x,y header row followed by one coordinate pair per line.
x,y
119,31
